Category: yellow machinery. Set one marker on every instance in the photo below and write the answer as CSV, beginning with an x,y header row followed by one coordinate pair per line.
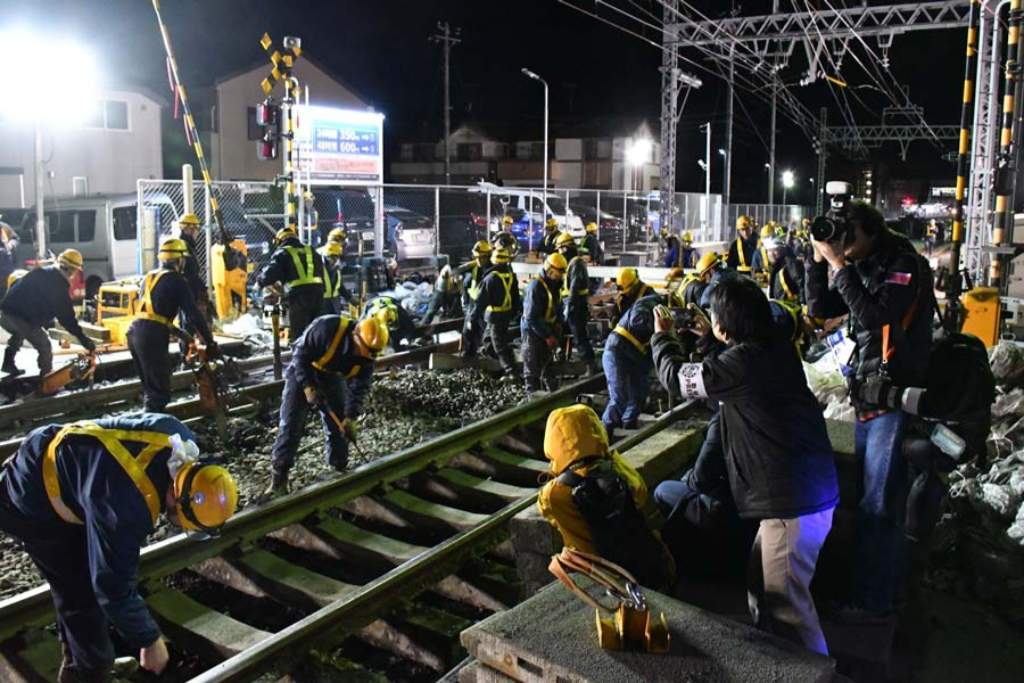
x,y
982,311
229,284
116,304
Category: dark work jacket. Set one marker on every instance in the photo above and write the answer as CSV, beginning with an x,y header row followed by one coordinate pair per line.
x,y
749,249
592,247
191,271
671,252
95,487
542,309
313,349
472,274
492,293
281,269
623,301
575,288
547,245
790,269
693,291
404,329
639,323
777,452
878,291
717,277
172,295
39,297
689,258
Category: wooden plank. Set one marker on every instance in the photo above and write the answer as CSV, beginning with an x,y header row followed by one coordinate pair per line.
x,y
201,628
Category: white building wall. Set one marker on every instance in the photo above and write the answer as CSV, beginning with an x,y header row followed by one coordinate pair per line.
x,y
237,159
110,160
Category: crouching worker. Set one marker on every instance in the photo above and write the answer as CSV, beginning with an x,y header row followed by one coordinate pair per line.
x,y
595,497
331,369
82,498
778,457
165,293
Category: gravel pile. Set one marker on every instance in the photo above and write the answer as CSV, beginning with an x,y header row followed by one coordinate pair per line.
x,y
405,408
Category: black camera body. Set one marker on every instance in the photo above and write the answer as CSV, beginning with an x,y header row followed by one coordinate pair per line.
x,y
834,225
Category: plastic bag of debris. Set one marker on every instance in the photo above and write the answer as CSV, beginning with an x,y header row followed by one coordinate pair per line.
x,y
1016,530
825,381
840,409
250,328
1007,361
1006,436
1008,403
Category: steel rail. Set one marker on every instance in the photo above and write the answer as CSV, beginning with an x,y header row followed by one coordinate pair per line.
x,y
180,552
368,602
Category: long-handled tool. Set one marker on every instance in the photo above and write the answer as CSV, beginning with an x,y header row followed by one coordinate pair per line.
x,y
339,423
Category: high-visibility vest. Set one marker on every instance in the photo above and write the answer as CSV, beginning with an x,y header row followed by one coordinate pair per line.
x,y
790,294
332,286
565,281
741,254
474,288
113,441
508,280
304,275
323,361
628,336
549,312
146,311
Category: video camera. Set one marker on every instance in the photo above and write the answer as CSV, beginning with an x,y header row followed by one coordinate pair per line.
x,y
833,226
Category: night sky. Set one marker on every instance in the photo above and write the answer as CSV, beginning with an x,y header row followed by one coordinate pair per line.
x,y
596,72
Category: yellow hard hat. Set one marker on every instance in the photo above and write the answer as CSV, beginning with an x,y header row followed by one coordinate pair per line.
x,y
502,255
768,230
687,237
190,220
564,239
665,232
284,234
71,258
373,334
742,223
551,223
385,312
481,248
336,235
627,278
206,496
171,249
332,249
707,261
591,226
507,220
556,261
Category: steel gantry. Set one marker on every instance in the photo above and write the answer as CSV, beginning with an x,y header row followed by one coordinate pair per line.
x,y
851,137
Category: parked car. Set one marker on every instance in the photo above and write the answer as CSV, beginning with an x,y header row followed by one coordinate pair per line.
x,y
540,208
409,235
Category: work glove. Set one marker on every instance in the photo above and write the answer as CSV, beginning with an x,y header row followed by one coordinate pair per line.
x,y
880,392
350,428
312,395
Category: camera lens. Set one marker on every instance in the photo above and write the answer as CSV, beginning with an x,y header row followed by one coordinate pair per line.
x,y
824,229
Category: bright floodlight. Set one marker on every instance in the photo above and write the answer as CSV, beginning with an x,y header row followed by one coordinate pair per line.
x,y
54,80
788,179
638,153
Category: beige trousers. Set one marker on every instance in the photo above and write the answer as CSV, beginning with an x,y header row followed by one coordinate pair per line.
x,y
779,577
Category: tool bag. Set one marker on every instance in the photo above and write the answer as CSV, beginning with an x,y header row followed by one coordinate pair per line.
x,y
617,528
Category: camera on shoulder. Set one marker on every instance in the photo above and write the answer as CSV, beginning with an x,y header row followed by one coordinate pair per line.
x,y
834,226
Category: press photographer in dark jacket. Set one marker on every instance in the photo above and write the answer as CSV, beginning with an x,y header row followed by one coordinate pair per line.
x,y
778,457
886,287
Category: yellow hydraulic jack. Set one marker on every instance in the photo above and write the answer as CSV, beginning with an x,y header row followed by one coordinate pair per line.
x,y
626,626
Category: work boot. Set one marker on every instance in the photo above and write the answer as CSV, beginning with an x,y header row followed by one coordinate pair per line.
x,y
278,486
632,424
9,367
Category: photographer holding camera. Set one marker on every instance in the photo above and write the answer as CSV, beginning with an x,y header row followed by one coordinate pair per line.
x,y
886,286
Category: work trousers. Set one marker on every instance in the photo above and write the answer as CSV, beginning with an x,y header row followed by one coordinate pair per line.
x,y
577,313
59,551
472,335
501,339
781,567
21,331
881,549
292,421
304,305
628,382
147,342
538,370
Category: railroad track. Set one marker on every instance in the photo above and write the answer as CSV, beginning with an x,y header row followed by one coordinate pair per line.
x,y
344,557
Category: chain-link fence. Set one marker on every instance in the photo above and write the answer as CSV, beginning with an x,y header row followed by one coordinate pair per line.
x,y
422,225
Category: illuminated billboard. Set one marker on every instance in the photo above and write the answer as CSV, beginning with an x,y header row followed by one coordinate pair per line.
x,y
340,145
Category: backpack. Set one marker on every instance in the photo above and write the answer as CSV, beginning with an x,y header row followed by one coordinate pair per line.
x,y
617,528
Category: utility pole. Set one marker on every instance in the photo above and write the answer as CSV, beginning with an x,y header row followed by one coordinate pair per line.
x,y
706,218
819,186
727,180
447,37
771,144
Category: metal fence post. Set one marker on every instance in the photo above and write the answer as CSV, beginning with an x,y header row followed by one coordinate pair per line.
x,y
209,239
597,215
437,220
529,219
138,225
378,223
487,229
625,219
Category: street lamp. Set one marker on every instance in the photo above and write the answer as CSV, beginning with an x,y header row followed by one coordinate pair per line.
x,y
637,154
55,84
787,182
530,74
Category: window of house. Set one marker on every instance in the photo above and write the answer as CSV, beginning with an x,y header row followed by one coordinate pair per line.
x,y
86,226
108,115
125,219
60,226
469,151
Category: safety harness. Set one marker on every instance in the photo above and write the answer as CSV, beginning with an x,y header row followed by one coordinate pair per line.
x,y
304,275
113,441
146,311
790,294
507,280
323,361
742,255
332,286
549,312
474,282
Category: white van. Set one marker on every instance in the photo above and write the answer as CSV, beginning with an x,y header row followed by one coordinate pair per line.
x,y
103,227
504,198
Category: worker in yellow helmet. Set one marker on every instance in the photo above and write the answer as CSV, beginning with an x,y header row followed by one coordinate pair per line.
x,y
338,234
541,324
83,499
743,248
33,303
631,288
592,245
505,237
444,300
575,299
472,275
331,370
165,295
337,297
670,248
547,245
687,253
498,304
400,323
188,232
297,269
761,266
